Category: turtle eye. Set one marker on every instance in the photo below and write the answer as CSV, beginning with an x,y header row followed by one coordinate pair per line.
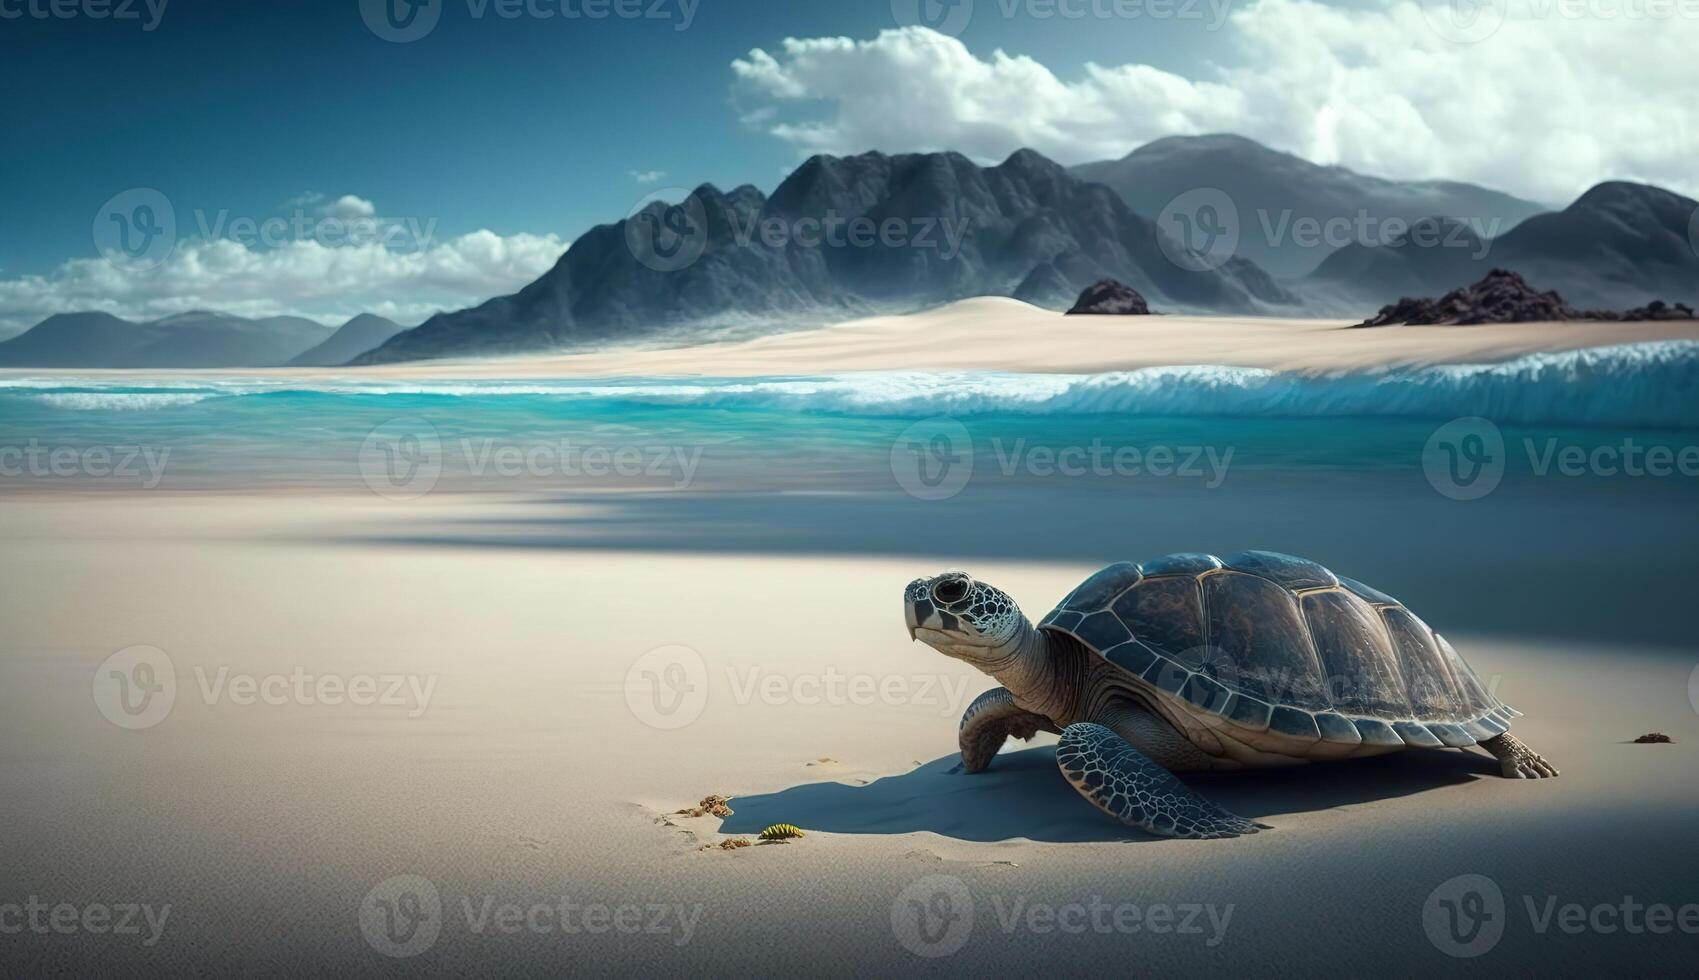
x,y
950,590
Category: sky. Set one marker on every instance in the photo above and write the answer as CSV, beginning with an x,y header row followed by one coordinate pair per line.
x,y
327,157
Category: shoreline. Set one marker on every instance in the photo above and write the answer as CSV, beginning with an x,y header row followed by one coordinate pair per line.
x,y
1006,335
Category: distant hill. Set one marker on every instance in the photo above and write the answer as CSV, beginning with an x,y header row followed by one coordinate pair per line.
x,y
1273,190
350,340
913,230
1620,245
186,340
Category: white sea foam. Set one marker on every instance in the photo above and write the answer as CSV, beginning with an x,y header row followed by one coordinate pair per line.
x,y
1649,384
119,401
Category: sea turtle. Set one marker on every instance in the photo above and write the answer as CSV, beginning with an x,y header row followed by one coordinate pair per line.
x,y
1192,662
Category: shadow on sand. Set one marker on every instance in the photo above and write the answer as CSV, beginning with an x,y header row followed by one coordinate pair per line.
x,y
1024,795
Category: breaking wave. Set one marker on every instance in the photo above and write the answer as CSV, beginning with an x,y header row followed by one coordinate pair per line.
x,y
1650,384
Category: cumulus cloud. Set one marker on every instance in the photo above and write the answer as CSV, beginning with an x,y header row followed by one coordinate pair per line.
x,y
646,176
324,280
349,207
1547,105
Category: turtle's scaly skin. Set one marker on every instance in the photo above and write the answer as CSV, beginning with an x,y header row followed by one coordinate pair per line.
x,y
1127,785
1279,655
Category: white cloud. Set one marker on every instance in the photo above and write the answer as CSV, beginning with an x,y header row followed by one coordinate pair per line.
x,y
646,176
324,282
1548,105
348,207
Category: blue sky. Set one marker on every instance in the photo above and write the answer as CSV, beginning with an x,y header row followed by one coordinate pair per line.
x,y
513,125
504,134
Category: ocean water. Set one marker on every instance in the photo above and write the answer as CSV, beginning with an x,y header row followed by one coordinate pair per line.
x,y
1624,411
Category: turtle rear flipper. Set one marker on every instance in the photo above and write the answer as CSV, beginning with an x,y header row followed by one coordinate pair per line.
x,y
1122,782
989,722
1516,760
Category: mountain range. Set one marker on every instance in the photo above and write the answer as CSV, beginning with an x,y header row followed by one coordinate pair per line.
x,y
873,233
350,340
1618,245
196,339
913,230
1276,193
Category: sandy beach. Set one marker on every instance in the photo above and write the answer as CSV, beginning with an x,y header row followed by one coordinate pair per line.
x,y
290,724
526,760
1001,334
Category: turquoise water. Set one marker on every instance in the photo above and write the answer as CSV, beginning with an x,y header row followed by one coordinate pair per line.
x,y
855,431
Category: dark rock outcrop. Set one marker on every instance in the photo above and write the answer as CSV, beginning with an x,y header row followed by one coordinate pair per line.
x,y
1110,297
1505,297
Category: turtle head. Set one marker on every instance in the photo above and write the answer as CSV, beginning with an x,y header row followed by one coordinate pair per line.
x,y
962,618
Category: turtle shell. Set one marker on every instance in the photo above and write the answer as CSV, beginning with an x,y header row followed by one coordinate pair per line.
x,y
1280,644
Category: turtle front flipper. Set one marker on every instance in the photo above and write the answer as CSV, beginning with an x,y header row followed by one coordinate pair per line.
x,y
1125,784
989,722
